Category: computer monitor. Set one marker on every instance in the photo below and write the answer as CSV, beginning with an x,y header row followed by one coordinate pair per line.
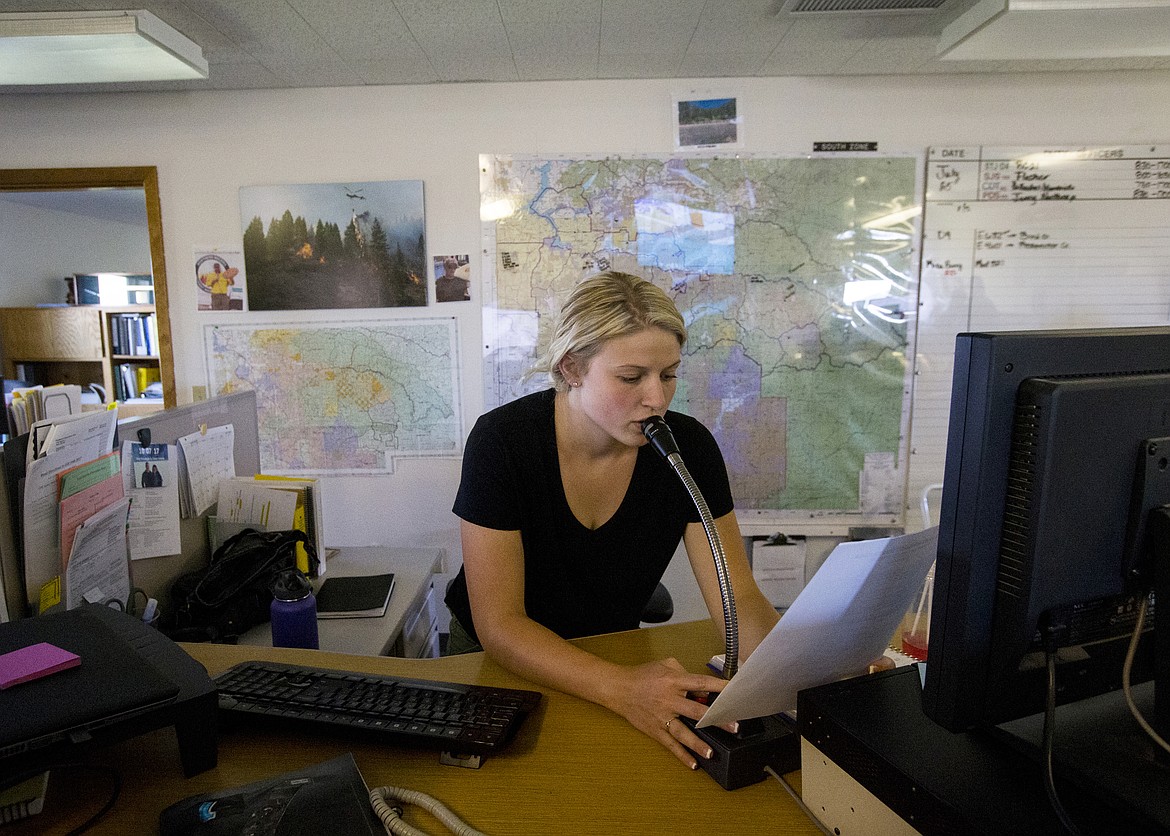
x,y
1054,499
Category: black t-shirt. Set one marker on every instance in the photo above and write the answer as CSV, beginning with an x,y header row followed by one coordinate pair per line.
x,y
577,581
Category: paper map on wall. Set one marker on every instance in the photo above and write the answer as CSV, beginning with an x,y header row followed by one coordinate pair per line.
x,y
343,398
798,281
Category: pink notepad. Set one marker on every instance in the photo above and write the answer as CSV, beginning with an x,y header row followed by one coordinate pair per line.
x,y
33,662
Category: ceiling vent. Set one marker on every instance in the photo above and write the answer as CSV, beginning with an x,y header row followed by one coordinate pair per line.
x,y
817,7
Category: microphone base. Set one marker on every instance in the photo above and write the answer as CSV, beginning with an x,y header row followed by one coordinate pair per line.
x,y
738,760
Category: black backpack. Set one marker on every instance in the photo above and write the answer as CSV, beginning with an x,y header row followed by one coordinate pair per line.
x,y
234,593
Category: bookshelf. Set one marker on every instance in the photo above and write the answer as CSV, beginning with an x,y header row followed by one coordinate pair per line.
x,y
111,346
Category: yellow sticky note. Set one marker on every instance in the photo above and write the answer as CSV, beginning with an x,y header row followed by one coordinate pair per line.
x,y
50,594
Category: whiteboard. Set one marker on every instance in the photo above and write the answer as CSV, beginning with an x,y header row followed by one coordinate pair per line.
x,y
1032,238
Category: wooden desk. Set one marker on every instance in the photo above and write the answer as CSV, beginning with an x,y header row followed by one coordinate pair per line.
x,y
409,620
575,768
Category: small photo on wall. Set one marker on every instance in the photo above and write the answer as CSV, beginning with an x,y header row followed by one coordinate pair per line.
x,y
707,123
452,278
219,280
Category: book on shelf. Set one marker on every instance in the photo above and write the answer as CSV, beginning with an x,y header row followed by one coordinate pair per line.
x,y
355,596
147,375
126,382
134,334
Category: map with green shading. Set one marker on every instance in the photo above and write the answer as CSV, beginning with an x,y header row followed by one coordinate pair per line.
x,y
343,398
798,281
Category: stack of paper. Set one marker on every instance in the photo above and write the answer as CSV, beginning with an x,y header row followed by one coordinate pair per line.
x,y
38,403
307,516
75,450
79,524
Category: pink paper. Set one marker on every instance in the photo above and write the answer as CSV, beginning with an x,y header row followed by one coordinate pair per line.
x,y
33,662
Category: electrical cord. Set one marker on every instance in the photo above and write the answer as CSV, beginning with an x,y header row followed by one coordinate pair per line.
x,y
115,791
1049,737
115,787
1127,669
391,815
791,790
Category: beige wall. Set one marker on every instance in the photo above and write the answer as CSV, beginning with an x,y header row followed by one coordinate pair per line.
x,y
207,145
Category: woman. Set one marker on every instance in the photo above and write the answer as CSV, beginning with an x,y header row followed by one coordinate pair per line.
x,y
569,518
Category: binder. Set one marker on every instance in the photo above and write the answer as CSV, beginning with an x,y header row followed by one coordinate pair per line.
x,y
308,516
355,596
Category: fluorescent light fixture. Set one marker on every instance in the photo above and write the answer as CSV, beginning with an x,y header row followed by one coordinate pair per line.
x,y
1005,30
94,47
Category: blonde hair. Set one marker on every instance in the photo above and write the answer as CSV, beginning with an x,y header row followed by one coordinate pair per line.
x,y
600,308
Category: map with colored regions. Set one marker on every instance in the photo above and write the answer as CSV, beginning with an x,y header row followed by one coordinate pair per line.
x,y
343,398
798,279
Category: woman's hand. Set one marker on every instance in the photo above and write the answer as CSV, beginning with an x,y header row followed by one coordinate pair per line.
x,y
654,695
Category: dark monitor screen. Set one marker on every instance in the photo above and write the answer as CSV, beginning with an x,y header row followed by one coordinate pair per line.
x,y
1057,456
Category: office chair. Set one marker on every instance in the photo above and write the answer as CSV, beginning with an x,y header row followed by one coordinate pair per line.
x,y
659,608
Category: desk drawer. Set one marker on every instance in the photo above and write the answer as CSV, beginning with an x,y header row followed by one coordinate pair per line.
x,y
420,637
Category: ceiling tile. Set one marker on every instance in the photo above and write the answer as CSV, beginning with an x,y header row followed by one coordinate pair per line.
x,y
544,11
640,65
243,75
630,25
562,66
534,38
367,29
720,64
483,67
308,43
739,26
392,71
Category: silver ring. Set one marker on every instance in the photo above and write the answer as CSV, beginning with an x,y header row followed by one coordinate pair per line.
x,y
668,722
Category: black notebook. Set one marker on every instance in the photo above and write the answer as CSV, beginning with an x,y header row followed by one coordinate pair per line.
x,y
355,596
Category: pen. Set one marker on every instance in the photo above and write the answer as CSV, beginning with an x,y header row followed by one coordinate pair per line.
x,y
150,610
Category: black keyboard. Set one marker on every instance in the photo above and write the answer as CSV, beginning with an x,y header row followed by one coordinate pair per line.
x,y
471,720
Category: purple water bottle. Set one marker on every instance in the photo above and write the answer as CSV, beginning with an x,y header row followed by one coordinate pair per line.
x,y
294,611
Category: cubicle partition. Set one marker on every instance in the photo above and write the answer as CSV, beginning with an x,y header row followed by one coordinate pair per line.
x,y
152,575
155,575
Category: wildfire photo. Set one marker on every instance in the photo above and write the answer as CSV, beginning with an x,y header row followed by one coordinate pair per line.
x,y
331,245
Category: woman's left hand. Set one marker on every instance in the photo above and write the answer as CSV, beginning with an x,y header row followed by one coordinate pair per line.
x,y
657,694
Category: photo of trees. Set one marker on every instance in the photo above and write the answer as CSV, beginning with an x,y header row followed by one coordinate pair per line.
x,y
334,245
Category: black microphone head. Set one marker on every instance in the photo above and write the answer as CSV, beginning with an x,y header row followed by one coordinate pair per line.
x,y
657,431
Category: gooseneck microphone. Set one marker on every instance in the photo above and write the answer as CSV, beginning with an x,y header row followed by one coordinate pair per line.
x,y
657,431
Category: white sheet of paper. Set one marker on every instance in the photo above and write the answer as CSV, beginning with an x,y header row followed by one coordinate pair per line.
x,y
247,501
154,512
90,431
842,621
99,565
210,459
